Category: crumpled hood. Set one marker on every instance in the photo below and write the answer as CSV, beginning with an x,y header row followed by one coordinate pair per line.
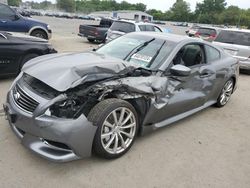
x,y
68,70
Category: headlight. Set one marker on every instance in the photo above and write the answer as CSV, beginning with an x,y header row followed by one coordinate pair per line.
x,y
64,109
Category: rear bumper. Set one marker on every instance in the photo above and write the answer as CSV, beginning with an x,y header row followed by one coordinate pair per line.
x,y
101,38
56,139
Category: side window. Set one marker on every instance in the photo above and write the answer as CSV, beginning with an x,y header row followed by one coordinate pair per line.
x,y
6,12
150,28
211,54
190,55
157,29
142,27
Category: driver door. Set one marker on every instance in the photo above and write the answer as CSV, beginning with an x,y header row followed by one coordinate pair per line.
x,y
185,93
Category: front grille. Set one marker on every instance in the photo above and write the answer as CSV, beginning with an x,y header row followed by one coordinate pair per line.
x,y
23,100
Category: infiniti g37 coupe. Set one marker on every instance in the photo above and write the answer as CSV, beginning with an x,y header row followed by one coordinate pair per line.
x,y
67,106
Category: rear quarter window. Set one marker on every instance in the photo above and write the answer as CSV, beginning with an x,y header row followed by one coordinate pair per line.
x,y
212,54
142,27
206,31
234,37
123,27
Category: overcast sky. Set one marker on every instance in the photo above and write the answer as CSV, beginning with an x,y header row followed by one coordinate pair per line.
x,y
166,4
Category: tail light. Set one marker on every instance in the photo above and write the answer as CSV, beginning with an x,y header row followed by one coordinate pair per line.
x,y
213,36
197,34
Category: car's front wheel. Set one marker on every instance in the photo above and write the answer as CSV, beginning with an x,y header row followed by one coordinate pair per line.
x,y
225,94
117,127
40,34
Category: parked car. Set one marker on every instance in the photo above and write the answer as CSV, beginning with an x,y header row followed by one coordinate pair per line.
x,y
65,106
96,33
121,27
206,33
85,17
192,30
22,12
237,43
181,24
13,22
17,49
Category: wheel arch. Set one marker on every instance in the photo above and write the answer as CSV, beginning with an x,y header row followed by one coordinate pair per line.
x,y
140,104
37,28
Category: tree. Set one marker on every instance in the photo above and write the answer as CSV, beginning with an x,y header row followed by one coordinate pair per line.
x,y
66,5
231,15
207,10
14,2
180,11
141,7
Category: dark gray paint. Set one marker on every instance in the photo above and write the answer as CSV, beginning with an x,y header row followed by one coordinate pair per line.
x,y
168,97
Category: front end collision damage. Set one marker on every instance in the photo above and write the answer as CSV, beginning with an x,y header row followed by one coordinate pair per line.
x,y
59,130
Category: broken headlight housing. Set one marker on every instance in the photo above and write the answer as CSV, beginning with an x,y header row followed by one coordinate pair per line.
x,y
65,109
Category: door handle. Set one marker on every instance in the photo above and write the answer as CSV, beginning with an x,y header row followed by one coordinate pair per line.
x,y
3,21
206,74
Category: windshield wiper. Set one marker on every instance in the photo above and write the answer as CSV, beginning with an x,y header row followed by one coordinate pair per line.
x,y
121,30
138,48
156,54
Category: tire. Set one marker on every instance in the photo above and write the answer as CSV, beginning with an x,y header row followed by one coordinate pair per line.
x,y
40,34
91,40
26,59
112,140
225,94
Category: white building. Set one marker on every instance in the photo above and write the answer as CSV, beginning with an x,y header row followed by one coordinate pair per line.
x,y
124,14
4,1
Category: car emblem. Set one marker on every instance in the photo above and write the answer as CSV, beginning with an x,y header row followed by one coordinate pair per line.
x,y
17,96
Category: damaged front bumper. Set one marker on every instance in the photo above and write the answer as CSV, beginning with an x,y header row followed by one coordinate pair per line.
x,y
56,139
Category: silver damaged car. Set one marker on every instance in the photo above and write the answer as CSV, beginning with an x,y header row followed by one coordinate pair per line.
x,y
67,106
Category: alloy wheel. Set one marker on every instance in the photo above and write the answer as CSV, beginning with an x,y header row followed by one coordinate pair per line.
x,y
118,130
226,92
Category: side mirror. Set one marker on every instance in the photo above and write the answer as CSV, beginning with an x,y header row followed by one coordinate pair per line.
x,y
180,70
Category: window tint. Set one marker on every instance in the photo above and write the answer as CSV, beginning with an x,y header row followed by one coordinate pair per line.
x,y
206,31
190,55
6,12
106,22
123,27
142,27
150,28
212,54
234,37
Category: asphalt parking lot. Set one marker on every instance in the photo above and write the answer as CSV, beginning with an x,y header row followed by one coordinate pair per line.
x,y
208,149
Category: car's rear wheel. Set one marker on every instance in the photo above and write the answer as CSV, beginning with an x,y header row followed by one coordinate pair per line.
x,y
117,127
39,34
225,94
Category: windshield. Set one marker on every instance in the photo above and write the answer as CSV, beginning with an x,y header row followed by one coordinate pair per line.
x,y
145,51
234,37
123,27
